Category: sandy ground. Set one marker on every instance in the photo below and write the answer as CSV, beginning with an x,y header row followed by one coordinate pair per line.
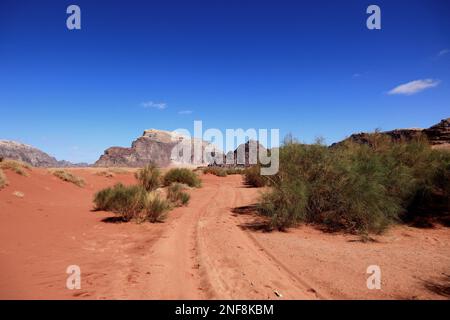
x,y
212,249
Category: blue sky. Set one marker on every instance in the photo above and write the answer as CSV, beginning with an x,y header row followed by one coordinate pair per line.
x,y
310,68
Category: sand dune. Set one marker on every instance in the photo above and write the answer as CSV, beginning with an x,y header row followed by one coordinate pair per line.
x,y
211,249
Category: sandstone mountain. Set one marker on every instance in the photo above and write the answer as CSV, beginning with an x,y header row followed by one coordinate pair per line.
x,y
438,135
31,155
162,148
245,154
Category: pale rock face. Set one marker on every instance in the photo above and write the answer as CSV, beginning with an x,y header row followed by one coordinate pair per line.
x,y
162,148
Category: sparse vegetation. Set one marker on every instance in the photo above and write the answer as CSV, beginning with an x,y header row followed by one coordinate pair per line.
x,y
132,203
155,208
232,171
217,171
177,195
127,201
182,175
106,174
254,178
149,177
357,188
18,167
69,177
3,180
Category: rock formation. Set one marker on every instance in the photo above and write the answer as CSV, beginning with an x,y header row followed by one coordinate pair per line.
x,y
162,148
33,156
438,135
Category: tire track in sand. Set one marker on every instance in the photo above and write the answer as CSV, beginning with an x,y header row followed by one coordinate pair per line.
x,y
232,263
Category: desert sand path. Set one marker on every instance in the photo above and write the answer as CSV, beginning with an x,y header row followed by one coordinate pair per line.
x,y
204,253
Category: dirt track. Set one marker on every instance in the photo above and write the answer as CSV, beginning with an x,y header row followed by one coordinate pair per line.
x,y
208,250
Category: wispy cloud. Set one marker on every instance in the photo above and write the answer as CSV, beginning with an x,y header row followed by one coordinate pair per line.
x,y
443,52
356,75
155,105
414,87
185,112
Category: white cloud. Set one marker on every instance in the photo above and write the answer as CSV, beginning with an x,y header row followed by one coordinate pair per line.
x,y
356,75
185,112
414,87
156,105
443,52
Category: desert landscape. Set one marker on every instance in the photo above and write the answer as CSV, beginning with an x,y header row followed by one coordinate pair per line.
x,y
214,247
218,158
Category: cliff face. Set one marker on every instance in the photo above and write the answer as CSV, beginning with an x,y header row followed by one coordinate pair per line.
x,y
438,135
162,148
33,156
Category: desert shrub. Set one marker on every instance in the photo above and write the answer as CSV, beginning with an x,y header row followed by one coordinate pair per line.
x,y
182,175
149,177
69,177
3,180
126,201
105,174
233,171
118,170
253,177
177,195
154,208
217,171
355,187
18,167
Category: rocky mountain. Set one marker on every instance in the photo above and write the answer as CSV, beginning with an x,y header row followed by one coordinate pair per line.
x,y
438,135
245,154
31,155
162,148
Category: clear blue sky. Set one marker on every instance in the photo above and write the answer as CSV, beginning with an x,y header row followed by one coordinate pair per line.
x,y
311,68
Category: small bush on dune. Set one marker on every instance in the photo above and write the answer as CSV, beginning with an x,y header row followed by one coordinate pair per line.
x,y
155,208
254,178
149,177
69,177
3,180
127,201
220,172
233,171
132,203
18,167
177,195
105,174
182,175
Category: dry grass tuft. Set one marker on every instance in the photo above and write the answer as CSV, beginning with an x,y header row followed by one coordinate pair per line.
x,y
3,180
69,177
18,167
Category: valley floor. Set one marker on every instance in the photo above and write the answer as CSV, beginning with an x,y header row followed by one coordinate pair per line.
x,y
212,249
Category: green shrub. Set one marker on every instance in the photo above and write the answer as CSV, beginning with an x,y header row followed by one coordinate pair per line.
x,y
149,177
177,195
126,201
3,180
18,167
254,178
69,177
355,187
155,208
182,175
217,171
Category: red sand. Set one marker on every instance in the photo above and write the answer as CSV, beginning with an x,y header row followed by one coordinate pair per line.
x,y
201,251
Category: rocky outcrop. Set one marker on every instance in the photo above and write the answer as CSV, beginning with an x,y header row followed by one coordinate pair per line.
x,y
162,148
438,135
31,155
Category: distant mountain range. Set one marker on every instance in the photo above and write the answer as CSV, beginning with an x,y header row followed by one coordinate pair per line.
x,y
157,146
31,155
